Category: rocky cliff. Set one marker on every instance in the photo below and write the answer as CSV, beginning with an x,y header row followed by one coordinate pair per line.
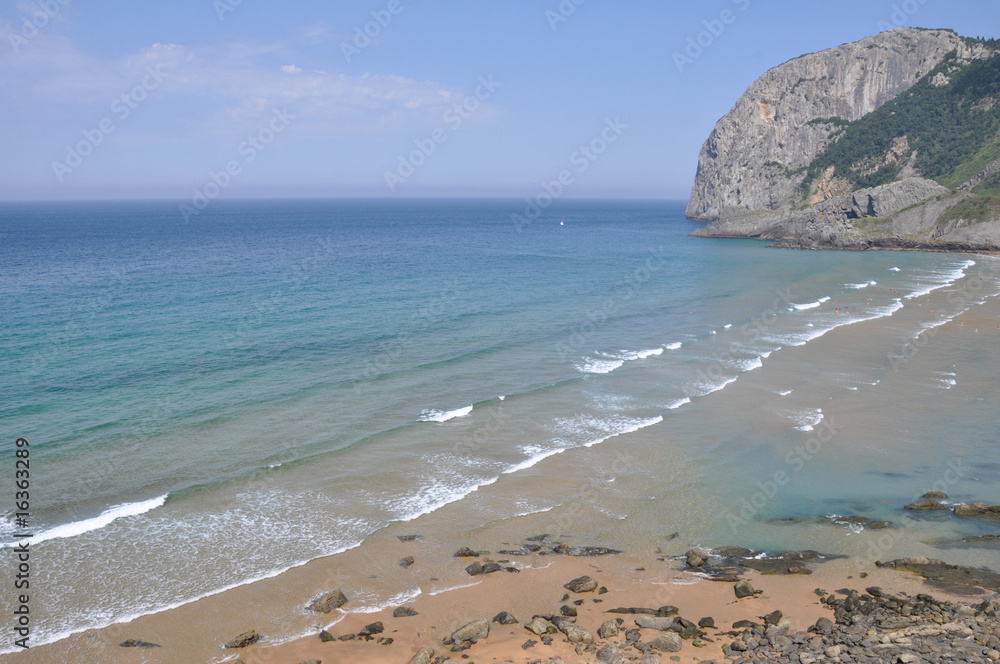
x,y
762,172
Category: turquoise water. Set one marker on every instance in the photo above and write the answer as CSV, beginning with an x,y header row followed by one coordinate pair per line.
x,y
310,373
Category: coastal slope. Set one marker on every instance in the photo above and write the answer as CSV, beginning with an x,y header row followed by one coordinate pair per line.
x,y
889,142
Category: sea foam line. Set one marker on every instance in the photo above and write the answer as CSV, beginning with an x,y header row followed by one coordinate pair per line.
x,y
432,415
100,521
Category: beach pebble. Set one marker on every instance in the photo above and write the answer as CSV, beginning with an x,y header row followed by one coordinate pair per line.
x,y
583,584
243,640
327,602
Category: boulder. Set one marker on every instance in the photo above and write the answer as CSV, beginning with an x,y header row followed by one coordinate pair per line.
x,y
707,622
327,602
423,656
583,584
475,630
608,629
696,558
466,552
504,618
575,633
744,589
610,654
667,642
243,640
136,643
325,636
935,495
372,629
404,612
655,622
537,626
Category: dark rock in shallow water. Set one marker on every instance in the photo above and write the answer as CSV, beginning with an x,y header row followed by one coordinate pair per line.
x,y
935,495
406,562
696,558
404,612
592,551
951,578
732,552
926,506
977,509
466,552
136,643
477,568
583,584
409,538
327,602
243,640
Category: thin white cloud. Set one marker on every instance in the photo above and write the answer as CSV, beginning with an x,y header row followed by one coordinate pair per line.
x,y
291,69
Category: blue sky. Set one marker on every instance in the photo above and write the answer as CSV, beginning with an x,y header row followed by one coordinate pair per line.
x,y
454,98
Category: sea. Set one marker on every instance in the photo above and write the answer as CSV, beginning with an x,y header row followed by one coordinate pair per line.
x,y
213,401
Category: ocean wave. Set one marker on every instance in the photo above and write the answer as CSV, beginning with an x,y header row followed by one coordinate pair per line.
x,y
580,428
605,363
432,415
860,286
674,346
893,269
677,404
100,521
809,305
946,279
706,388
784,393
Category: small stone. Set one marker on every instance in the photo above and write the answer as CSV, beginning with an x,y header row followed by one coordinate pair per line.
x,y
583,584
567,611
466,552
707,622
406,562
993,655
935,495
504,618
772,618
408,538
325,636
575,633
537,626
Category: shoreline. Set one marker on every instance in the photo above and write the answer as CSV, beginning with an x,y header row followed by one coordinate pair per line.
x,y
526,586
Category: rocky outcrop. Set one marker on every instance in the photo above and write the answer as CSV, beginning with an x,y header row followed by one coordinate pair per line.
x,y
882,201
748,162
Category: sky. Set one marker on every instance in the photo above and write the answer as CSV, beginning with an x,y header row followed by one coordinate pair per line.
x,y
396,98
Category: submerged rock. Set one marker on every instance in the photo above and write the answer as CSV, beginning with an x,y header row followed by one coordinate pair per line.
x,y
466,552
926,506
136,643
404,612
952,578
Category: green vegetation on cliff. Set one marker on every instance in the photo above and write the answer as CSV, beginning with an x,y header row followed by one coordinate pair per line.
x,y
951,117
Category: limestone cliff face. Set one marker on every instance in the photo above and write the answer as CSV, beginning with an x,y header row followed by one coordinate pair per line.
x,y
746,167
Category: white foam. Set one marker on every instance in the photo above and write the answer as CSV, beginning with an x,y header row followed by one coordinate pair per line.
x,y
750,365
809,305
948,279
436,495
893,269
450,588
598,365
642,354
808,420
784,393
674,346
582,426
860,286
710,388
444,415
398,599
95,523
680,402
502,397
